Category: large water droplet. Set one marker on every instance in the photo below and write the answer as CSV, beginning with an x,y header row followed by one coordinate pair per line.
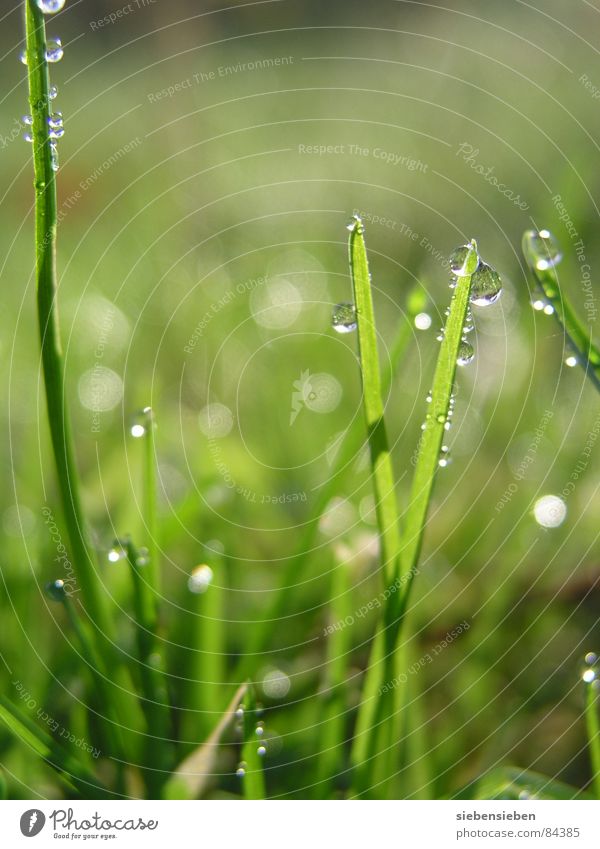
x,y
54,50
50,7
541,249
261,751
486,285
464,260
343,318
200,579
423,321
466,354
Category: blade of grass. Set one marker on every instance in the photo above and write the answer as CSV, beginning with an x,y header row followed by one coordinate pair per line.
x,y
580,340
192,776
374,749
593,733
253,776
332,704
52,359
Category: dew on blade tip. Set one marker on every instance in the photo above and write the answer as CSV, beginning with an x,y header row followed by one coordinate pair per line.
x,y
141,423
50,7
463,260
541,250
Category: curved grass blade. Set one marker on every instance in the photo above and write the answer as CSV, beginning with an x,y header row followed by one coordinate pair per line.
x,y
513,783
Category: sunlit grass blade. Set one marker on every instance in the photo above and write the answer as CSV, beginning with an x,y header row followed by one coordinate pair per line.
x,y
205,670
536,250
374,751
591,680
193,775
71,771
253,751
513,783
333,702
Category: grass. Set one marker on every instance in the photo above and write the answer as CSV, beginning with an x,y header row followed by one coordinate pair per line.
x,y
273,592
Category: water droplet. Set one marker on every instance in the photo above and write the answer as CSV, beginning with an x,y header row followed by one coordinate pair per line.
x,y
259,730
571,361
440,418
200,579
541,249
590,672
343,318
548,309
469,324
54,50
143,557
444,459
276,684
141,423
466,354
355,223
56,590
486,285
52,92
240,712
117,552
423,321
53,156
429,397
261,751
50,7
538,304
56,125
241,769
550,511
464,260
23,57
27,120
27,136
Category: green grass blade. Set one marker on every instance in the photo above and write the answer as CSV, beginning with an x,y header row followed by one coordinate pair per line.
x,y
593,733
386,508
52,358
514,783
253,777
150,501
69,768
579,338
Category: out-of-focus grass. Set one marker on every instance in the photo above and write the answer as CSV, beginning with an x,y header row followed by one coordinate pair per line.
x,y
216,196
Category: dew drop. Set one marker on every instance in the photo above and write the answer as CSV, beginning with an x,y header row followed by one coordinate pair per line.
x,y
355,223
548,309
486,285
23,57
550,511
423,321
464,260
117,552
56,590
143,557
54,50
259,730
141,423
538,304
261,751
51,7
240,712
590,672
27,136
541,249
466,354
52,92
571,361
441,418
469,324
343,318
444,459
200,579
241,769
27,120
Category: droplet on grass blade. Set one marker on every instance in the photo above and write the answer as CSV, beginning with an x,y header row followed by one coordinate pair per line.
x,y
590,672
50,7
343,318
241,769
486,285
141,423
23,57
117,552
54,50
541,249
56,590
466,354
27,120
464,260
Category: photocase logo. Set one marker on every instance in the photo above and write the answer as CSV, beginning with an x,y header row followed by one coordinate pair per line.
x,y
32,822
320,393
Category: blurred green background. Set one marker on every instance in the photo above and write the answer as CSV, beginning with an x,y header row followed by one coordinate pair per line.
x,y
174,207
